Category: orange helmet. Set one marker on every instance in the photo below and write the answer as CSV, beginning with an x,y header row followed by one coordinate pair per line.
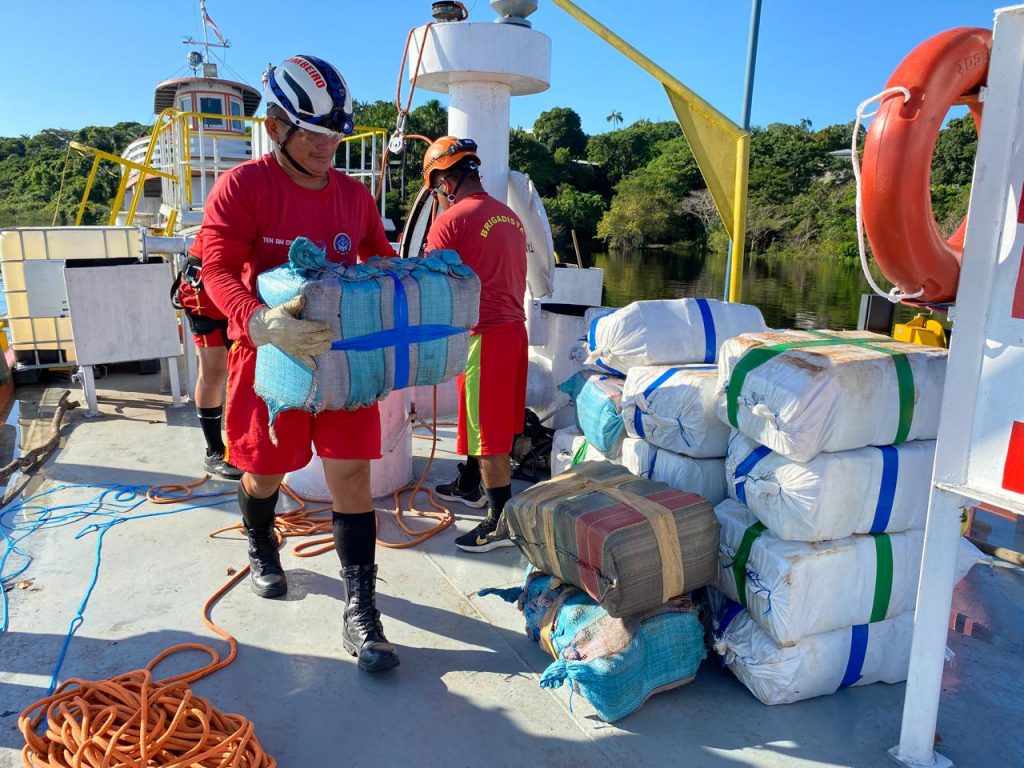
x,y
446,152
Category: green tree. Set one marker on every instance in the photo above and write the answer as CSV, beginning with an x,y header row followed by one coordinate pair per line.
x,y
527,155
615,118
953,159
783,160
571,209
561,127
619,153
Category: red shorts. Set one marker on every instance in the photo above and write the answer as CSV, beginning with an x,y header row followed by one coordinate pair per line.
x,y
336,434
208,324
492,391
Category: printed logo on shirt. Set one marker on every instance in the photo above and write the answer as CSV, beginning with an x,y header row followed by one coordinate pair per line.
x,y
342,243
486,230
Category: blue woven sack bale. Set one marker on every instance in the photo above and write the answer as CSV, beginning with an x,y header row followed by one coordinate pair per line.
x,y
396,323
616,664
599,411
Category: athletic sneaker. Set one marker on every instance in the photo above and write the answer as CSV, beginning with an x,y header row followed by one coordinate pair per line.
x,y
216,465
488,535
453,492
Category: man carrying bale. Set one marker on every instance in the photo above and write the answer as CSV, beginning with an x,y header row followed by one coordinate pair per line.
x,y
253,214
490,239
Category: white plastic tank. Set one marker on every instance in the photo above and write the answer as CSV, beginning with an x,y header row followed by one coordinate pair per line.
x,y
32,261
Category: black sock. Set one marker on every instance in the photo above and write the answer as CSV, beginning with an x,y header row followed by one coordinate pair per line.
x,y
257,513
497,497
210,420
355,537
469,477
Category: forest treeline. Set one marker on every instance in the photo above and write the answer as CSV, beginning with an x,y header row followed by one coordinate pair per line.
x,y
629,187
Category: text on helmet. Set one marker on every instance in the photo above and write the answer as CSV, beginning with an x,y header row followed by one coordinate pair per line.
x,y
313,72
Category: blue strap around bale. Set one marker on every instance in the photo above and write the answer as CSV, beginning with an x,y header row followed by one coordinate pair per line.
x,y
654,460
887,488
638,422
744,467
858,650
592,343
731,610
401,336
710,342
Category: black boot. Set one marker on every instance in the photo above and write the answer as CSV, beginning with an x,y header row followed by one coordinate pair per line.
x,y
363,635
265,570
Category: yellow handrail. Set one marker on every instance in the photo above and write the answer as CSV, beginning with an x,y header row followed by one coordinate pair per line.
x,y
177,127
99,154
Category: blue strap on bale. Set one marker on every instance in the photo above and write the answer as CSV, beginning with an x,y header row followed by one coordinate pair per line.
x,y
710,340
403,322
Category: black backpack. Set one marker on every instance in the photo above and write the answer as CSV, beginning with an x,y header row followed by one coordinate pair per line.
x,y
531,450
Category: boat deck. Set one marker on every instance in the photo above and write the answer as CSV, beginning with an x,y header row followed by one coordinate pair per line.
x,y
467,692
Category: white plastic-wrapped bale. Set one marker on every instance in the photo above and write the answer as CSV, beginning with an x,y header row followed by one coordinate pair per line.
x,y
834,495
666,332
568,448
818,665
705,477
674,408
599,412
803,392
794,589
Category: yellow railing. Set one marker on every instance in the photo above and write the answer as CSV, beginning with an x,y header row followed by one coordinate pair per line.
x,y
173,132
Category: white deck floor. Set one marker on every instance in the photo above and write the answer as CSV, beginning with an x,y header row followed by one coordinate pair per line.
x,y
467,691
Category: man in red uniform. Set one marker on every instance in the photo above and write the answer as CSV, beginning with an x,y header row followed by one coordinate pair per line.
x,y
251,217
210,335
490,239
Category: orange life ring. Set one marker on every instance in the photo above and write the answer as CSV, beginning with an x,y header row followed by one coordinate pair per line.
x,y
945,70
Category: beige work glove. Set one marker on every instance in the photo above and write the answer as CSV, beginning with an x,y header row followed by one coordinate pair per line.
x,y
281,327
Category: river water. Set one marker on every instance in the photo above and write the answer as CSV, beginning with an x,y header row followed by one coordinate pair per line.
x,y
790,292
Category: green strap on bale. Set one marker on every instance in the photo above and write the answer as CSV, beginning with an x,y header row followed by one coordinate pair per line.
x,y
758,356
581,453
883,576
739,560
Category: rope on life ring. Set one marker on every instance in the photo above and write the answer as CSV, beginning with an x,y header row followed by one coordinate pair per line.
x,y
894,179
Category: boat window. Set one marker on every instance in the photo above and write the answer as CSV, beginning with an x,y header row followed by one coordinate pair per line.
x,y
236,109
211,105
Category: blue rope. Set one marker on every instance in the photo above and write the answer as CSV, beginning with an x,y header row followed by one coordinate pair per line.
x,y
113,503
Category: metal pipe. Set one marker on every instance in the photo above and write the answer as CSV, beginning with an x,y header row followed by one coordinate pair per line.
x,y
732,280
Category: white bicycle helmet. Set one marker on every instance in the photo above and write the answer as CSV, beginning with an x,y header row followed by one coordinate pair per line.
x,y
312,92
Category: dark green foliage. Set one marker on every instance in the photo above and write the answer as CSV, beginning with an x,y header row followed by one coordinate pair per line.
x,y
560,128
31,170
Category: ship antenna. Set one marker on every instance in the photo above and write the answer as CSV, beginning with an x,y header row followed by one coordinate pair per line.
x,y
197,59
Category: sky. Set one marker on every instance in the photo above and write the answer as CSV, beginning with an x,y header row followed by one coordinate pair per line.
x,y
71,64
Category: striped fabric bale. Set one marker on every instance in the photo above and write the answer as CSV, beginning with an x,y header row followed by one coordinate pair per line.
x,y
803,392
615,663
673,407
794,589
631,544
599,411
666,332
818,665
397,323
876,489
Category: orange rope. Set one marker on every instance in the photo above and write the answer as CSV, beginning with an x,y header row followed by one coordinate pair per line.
x,y
134,721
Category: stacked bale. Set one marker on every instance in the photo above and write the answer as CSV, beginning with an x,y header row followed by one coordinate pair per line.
x,y
661,409
829,474
618,555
